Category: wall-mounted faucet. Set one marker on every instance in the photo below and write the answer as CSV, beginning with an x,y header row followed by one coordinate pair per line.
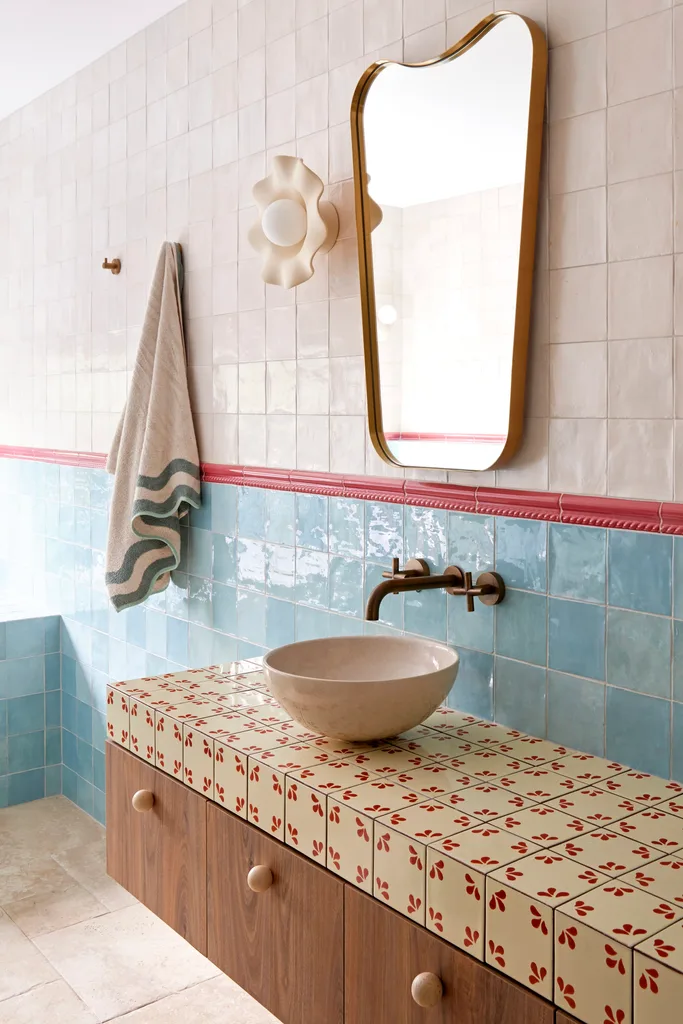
x,y
489,588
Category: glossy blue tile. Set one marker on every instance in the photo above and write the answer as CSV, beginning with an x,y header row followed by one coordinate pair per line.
x,y
344,625
201,518
391,608
66,484
199,611
473,689
177,596
425,613
470,541
3,717
84,759
98,529
200,646
176,640
251,513
136,626
84,721
640,571
576,638
638,731
156,666
346,585
98,769
69,712
4,790
53,708
251,564
156,634
67,523
281,517
69,779
576,713
53,746
117,658
82,487
85,795
577,562
3,641
677,743
312,521
224,602
99,730
521,553
99,806
426,535
520,630
678,661
82,526
136,666
280,623
280,571
26,714
25,786
25,637
224,558
347,527
4,757
383,532
224,509
53,672
520,696
22,677
26,752
251,616
200,558
311,623
312,577
53,780
470,629
678,578
639,652
224,649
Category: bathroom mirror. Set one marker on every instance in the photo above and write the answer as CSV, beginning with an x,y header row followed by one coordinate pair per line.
x,y
447,160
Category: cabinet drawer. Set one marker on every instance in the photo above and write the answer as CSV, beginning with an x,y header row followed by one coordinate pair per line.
x,y
385,953
158,855
285,944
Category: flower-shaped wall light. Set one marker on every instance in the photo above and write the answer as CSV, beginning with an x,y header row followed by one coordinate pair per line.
x,y
294,222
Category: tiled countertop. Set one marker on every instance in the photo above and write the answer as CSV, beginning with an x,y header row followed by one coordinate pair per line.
x,y
562,870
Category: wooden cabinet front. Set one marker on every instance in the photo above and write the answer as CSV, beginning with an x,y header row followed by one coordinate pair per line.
x,y
284,945
158,855
384,953
562,1018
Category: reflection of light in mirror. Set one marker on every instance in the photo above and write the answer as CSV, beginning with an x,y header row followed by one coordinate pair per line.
x,y
387,315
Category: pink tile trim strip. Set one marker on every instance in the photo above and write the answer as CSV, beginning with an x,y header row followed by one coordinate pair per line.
x,y
577,509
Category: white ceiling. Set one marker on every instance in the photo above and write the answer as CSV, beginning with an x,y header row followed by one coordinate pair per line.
x,y
42,42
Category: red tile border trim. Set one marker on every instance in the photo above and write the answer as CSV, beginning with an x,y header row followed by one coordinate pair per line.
x,y
577,509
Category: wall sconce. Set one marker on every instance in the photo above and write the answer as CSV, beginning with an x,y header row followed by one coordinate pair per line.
x,y
294,222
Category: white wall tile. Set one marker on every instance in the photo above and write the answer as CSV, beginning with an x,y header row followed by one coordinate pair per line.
x,y
577,77
641,379
621,11
578,228
639,58
578,456
640,458
639,138
640,298
578,152
568,22
578,380
640,218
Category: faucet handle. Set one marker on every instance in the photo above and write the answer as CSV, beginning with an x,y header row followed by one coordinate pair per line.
x,y
413,567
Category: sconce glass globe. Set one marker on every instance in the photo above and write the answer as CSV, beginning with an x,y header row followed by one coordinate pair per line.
x,y
387,315
284,222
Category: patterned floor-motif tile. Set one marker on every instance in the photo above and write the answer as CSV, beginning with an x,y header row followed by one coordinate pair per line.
x,y
266,783
269,714
608,852
456,882
428,821
249,701
642,788
399,872
488,734
118,717
520,903
305,819
198,759
594,948
437,747
596,806
539,784
587,768
653,827
486,763
389,760
449,720
533,751
487,801
658,983
543,825
332,775
142,733
435,780
663,878
143,685
339,750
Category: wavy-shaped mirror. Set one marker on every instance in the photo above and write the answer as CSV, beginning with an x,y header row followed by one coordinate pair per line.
x,y
447,161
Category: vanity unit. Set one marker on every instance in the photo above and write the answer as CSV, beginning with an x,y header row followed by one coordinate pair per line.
x,y
464,872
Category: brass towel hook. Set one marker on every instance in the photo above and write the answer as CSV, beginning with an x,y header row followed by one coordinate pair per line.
x,y
114,266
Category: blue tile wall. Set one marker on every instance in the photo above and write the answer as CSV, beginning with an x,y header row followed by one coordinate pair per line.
x,y
587,648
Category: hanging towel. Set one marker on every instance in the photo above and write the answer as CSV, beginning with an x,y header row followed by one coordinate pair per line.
x,y
154,457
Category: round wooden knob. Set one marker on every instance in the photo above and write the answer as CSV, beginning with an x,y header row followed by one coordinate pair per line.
x,y
426,989
260,878
143,800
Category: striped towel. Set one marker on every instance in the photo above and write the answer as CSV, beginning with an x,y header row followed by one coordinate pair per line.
x,y
154,457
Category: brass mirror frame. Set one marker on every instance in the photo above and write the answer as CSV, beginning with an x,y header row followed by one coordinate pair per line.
x,y
365,223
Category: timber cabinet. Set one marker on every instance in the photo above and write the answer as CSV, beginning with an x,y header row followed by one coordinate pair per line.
x,y
309,947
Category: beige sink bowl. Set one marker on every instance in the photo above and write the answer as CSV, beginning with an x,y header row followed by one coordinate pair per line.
x,y
361,687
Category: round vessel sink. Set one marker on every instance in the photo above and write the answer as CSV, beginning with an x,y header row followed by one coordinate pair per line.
x,y
361,687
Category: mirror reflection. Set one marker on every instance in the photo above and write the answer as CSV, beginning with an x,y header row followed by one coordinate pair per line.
x,y
450,153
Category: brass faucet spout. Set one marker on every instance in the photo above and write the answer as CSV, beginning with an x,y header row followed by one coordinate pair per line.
x,y
416,576
402,585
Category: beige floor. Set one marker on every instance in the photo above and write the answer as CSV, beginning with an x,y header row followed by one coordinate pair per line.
x,y
76,948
